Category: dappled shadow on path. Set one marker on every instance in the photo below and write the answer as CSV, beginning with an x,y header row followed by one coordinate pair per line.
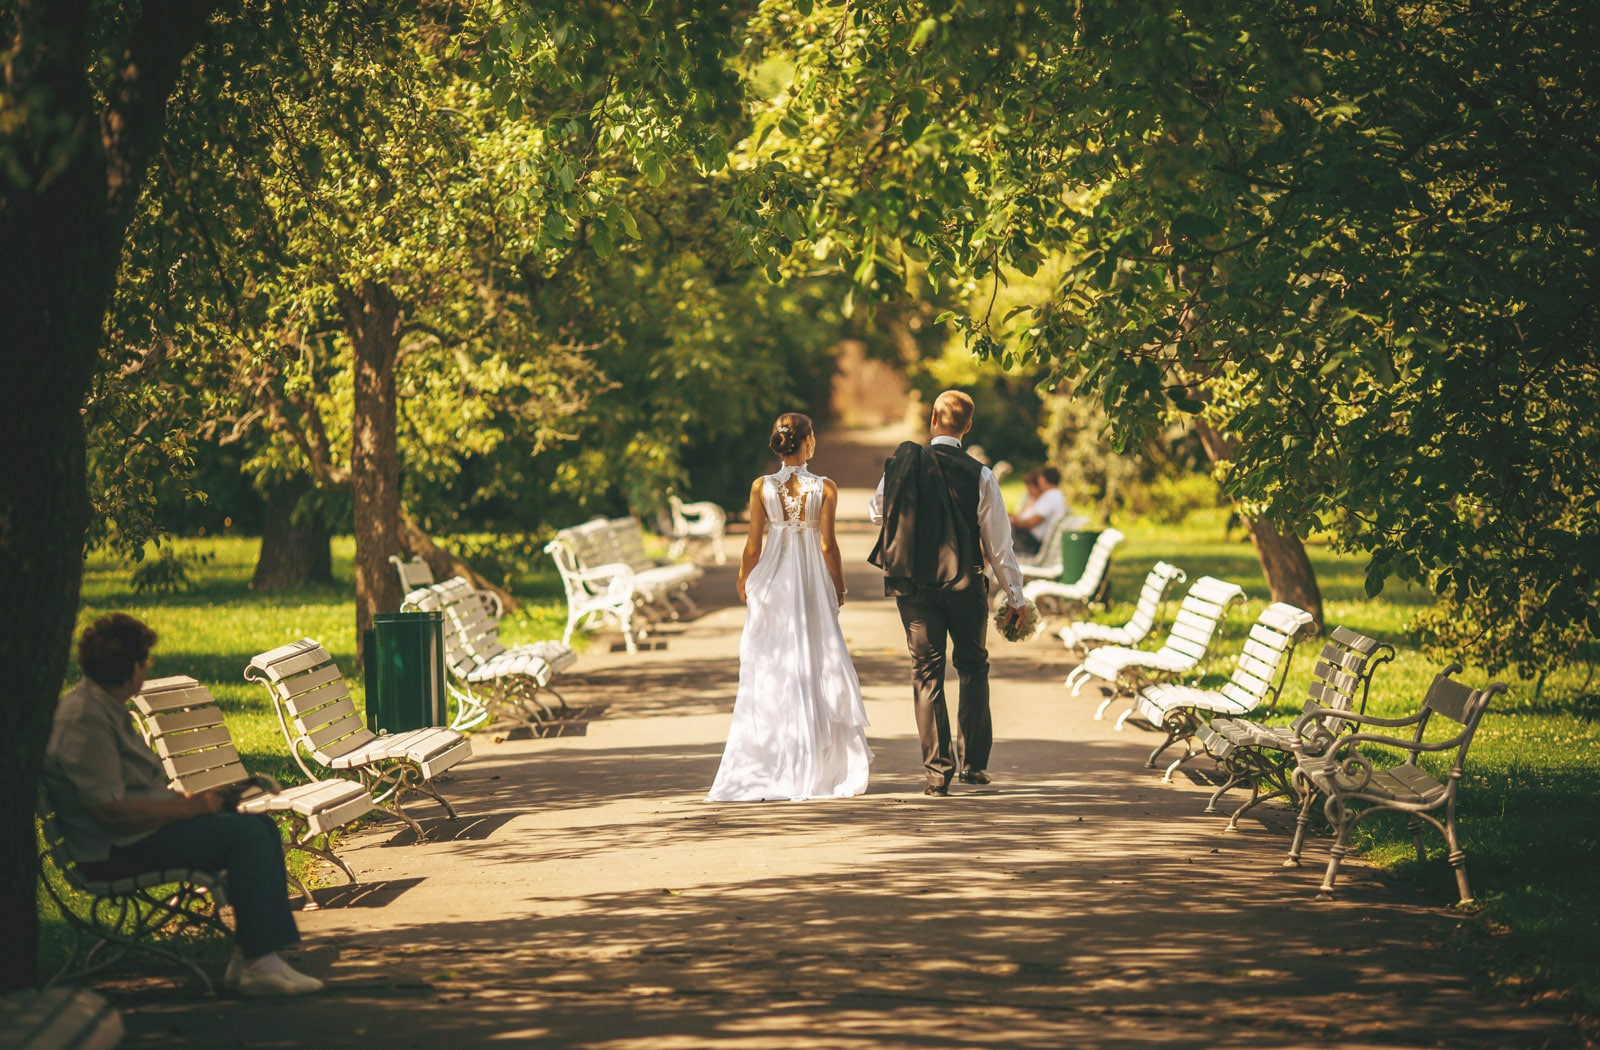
x,y
1069,910
1075,902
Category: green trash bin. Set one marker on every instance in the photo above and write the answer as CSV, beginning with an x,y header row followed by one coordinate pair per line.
x,y
405,672
1075,548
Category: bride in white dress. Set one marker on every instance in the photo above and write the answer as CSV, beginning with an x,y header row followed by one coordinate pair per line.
x,y
799,728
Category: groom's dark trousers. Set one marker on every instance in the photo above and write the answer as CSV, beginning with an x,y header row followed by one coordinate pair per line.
x,y
936,620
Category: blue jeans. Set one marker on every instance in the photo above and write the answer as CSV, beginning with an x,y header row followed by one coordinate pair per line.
x,y
245,848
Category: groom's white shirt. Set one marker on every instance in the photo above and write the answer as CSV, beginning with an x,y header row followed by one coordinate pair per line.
x,y
994,527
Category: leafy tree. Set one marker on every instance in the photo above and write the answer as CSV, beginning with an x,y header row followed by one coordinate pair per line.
x,y
1354,242
396,206
83,112
81,106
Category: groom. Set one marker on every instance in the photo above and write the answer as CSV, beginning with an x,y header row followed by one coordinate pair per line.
x,y
942,516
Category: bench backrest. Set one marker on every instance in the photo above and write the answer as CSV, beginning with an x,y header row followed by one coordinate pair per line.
x,y
313,704
1263,662
588,545
628,535
414,572
184,726
1199,615
1461,704
471,636
1094,570
1342,678
1151,594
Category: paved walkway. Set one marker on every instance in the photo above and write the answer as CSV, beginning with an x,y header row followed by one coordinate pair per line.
x,y
589,898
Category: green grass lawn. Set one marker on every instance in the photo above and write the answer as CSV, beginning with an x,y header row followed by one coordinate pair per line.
x,y
1529,813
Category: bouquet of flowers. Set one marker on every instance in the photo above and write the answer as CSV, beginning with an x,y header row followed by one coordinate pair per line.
x,y
1028,627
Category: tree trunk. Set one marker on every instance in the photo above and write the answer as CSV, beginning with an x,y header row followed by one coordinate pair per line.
x,y
1290,577
74,178
372,320
295,548
444,564
44,510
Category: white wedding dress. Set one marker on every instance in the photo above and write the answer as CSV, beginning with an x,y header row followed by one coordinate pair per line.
x,y
798,722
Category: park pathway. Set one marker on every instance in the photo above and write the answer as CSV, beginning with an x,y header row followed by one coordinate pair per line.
x,y
589,898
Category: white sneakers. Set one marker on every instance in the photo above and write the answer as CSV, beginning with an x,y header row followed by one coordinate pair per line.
x,y
267,976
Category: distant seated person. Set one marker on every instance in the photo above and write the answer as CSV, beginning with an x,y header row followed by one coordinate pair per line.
x,y
119,818
1044,506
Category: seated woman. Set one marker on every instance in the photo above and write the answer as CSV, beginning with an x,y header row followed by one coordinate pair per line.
x,y
1044,507
119,817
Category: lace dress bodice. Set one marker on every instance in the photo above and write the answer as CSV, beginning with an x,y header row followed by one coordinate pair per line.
x,y
792,498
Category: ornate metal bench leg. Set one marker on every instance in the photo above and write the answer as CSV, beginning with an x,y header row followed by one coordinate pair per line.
x,y
1301,824
1415,824
1342,820
1458,856
427,789
1334,857
1234,779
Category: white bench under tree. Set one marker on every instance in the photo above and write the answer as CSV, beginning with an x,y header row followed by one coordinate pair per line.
x,y
1257,681
1082,635
1125,670
1088,587
321,725
608,578
695,525
488,679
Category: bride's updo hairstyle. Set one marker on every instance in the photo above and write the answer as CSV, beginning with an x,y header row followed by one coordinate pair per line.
x,y
789,433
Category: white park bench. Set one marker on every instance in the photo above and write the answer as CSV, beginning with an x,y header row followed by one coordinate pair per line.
x,y
1257,680
487,678
1348,777
1263,756
1083,635
143,912
697,524
184,726
608,577
1127,670
416,574
320,724
1087,587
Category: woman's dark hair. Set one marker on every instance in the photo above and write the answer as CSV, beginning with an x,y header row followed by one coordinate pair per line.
x,y
111,647
1052,475
789,433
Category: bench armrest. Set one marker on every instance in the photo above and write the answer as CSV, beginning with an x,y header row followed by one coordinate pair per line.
x,y
1329,714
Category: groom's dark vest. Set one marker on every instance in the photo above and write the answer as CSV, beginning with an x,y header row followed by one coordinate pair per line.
x,y
930,532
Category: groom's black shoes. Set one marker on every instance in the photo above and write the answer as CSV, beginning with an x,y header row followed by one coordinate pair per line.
x,y
973,776
936,789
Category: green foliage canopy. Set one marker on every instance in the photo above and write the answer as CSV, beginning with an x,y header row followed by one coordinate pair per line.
x,y
1358,238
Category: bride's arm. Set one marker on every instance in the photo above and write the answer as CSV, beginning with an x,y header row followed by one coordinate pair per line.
x,y
830,544
753,540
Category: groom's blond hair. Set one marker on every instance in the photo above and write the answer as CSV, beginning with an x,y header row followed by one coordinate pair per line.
x,y
952,411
